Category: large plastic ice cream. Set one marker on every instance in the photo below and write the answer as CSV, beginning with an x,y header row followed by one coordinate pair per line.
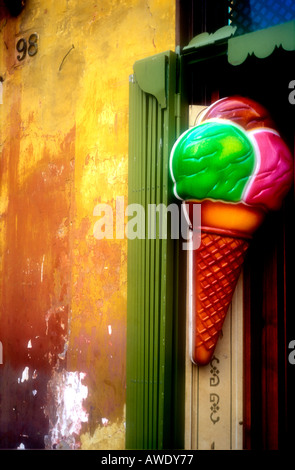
x,y
235,163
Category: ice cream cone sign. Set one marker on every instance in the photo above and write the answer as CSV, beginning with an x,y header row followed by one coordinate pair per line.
x,y
236,165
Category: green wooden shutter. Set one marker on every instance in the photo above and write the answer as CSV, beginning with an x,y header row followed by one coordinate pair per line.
x,y
152,263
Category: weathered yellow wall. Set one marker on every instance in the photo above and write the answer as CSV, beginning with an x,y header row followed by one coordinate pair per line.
x,y
64,149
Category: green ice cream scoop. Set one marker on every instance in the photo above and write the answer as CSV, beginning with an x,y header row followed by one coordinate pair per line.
x,y
213,160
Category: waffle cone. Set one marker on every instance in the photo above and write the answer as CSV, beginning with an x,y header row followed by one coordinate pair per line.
x,y
216,267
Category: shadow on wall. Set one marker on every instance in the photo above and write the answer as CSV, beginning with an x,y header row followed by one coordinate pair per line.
x,y
15,7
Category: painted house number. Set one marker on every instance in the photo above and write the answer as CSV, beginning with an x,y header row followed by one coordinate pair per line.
x,y
26,46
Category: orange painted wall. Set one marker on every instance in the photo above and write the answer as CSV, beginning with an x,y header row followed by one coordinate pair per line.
x,y
64,149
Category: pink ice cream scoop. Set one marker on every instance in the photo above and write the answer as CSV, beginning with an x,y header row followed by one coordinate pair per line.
x,y
243,111
273,175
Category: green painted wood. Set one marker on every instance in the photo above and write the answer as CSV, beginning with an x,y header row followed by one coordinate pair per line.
x,y
152,281
261,43
226,41
205,39
151,76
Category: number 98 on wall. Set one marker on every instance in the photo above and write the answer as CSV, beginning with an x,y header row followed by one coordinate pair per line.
x,y
26,47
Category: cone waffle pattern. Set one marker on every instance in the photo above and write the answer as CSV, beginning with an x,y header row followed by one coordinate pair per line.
x,y
219,261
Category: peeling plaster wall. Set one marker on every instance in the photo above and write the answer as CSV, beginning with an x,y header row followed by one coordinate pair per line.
x,y
64,146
